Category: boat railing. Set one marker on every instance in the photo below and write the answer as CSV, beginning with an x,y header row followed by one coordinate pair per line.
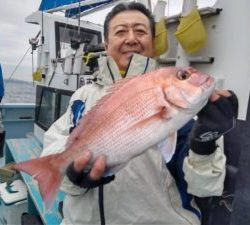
x,y
18,119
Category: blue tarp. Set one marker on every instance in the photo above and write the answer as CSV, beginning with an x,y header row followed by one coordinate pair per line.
x,y
50,4
74,11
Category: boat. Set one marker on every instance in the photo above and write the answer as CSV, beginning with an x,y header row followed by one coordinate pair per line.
x,y
67,49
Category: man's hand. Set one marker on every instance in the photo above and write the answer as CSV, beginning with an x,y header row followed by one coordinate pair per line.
x,y
92,178
214,120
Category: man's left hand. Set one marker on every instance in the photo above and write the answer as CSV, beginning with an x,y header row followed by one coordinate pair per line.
x,y
215,119
92,178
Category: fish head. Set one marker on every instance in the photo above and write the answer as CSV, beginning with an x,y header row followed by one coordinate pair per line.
x,y
186,88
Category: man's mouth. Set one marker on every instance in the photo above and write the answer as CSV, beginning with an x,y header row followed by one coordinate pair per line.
x,y
130,53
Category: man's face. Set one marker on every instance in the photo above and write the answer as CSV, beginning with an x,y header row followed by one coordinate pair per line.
x,y
129,32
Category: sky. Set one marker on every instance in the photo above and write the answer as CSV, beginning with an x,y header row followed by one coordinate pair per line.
x,y
15,34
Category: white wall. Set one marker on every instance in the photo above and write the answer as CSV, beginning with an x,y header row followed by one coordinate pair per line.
x,y
229,43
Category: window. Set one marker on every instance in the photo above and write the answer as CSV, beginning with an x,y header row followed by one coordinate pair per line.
x,y
51,103
66,33
64,101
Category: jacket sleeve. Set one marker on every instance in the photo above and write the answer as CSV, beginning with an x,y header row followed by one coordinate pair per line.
x,y
205,174
56,136
54,141
196,175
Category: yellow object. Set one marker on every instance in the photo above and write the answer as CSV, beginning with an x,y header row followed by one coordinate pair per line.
x,y
191,32
161,38
87,58
37,75
123,73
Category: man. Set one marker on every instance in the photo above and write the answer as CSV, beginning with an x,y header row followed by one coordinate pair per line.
x,y
2,131
1,84
146,191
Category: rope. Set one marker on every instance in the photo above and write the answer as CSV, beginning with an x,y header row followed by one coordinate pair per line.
x,y
17,66
101,205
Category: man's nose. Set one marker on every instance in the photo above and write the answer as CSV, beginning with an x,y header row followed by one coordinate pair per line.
x,y
131,37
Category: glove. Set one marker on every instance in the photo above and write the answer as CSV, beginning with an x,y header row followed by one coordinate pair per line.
x,y
214,120
83,180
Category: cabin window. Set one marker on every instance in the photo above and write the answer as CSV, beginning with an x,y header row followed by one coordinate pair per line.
x,y
51,103
66,34
64,101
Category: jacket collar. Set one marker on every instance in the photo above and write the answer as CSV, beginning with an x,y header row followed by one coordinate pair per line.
x,y
109,72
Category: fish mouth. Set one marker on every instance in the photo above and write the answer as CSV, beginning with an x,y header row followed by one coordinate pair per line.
x,y
202,80
206,90
199,102
209,81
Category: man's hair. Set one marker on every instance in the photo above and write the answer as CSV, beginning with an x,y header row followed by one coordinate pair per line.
x,y
128,7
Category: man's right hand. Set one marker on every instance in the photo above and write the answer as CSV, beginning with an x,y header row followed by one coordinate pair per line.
x,y
92,178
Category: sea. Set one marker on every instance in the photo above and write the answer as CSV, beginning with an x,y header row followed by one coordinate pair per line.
x,y
18,91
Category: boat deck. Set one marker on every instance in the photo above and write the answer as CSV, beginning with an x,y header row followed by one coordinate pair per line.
x,y
18,150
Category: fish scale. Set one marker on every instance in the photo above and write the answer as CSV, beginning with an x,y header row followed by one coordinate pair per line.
x,y
119,128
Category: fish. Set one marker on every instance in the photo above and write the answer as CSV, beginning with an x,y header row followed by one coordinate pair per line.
x,y
135,114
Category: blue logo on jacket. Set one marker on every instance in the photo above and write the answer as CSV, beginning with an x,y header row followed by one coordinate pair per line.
x,y
77,109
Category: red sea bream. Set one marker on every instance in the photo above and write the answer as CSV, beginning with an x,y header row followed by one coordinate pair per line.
x,y
135,114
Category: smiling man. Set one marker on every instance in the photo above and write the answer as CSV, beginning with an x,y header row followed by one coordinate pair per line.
x,y
129,32
147,191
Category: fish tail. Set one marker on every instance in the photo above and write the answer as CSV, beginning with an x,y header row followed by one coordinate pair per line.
x,y
48,176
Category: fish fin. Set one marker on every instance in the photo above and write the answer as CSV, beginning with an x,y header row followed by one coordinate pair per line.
x,y
167,147
165,114
48,176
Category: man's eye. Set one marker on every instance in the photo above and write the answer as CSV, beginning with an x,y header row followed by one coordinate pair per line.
x,y
119,32
140,31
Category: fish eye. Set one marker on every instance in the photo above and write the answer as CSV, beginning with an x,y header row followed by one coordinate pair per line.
x,y
182,74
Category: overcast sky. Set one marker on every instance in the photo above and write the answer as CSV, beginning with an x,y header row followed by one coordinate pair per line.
x,y
15,35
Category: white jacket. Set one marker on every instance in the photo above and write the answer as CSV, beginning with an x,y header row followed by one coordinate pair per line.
x,y
144,192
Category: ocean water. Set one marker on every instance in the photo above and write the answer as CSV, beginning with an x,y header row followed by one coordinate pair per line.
x,y
17,91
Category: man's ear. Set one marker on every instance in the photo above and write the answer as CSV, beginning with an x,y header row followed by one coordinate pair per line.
x,y
106,45
154,48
